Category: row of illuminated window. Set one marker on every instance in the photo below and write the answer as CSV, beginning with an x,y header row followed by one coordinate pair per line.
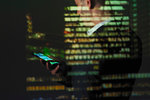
x,y
98,45
85,29
74,63
126,76
124,85
93,88
98,56
81,40
88,40
124,28
116,2
127,93
123,19
83,73
36,35
117,8
60,79
114,7
116,85
92,51
33,79
116,94
71,60
91,24
102,34
119,39
140,93
68,19
72,89
45,88
104,85
73,14
85,51
90,88
41,79
58,88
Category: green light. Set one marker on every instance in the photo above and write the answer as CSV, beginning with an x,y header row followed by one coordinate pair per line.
x,y
134,15
75,8
112,8
93,73
81,73
46,51
53,63
116,2
134,5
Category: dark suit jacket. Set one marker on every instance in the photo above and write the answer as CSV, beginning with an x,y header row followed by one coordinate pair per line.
x,y
112,65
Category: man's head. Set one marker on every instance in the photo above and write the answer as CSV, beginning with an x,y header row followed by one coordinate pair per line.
x,y
90,3
91,8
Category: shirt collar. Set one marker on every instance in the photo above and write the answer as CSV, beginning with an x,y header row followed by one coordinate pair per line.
x,y
92,30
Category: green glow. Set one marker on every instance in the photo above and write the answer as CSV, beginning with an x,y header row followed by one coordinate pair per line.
x,y
81,73
135,24
120,18
134,15
112,8
134,5
75,8
46,51
53,63
53,52
93,73
126,76
116,2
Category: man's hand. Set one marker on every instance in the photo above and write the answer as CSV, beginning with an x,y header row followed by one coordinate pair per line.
x,y
53,71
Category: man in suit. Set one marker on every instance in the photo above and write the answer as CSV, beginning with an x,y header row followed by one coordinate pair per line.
x,y
123,53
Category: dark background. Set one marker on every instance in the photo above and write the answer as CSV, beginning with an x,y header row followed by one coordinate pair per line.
x,y
13,65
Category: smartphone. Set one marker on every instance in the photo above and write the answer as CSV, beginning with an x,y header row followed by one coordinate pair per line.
x,y
46,58
42,56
